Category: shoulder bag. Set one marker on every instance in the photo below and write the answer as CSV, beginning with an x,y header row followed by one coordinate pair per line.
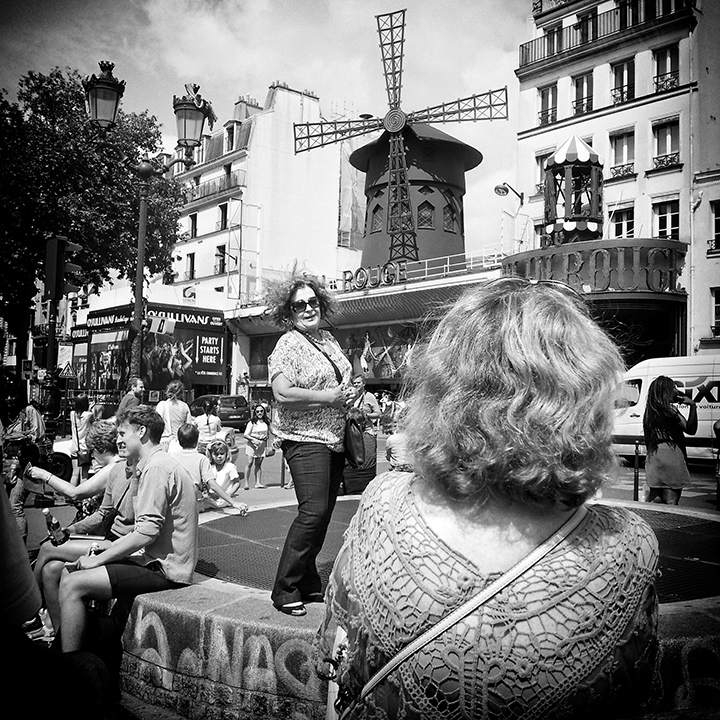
x,y
108,520
354,441
455,616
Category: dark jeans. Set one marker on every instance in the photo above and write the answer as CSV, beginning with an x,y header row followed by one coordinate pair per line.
x,y
317,473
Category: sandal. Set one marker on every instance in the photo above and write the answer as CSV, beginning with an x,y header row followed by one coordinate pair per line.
x,y
295,609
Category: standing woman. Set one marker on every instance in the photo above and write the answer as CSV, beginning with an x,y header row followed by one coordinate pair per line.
x,y
81,418
257,434
175,412
208,425
664,427
310,378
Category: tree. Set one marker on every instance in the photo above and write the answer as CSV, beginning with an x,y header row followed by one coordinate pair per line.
x,y
57,179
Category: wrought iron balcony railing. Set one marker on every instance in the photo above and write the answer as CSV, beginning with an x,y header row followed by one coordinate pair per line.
x,y
547,116
622,94
597,28
664,161
618,171
214,187
714,246
668,81
582,106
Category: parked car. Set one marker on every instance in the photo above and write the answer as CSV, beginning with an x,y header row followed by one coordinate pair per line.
x,y
233,410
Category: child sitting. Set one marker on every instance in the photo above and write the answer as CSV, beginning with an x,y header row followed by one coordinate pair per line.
x,y
226,474
210,495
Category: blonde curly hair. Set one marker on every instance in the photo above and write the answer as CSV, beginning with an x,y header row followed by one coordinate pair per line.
x,y
512,398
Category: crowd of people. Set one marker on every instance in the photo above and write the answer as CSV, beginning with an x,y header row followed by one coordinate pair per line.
x,y
467,583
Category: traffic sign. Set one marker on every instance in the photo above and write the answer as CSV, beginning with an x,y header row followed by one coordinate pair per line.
x,y
67,372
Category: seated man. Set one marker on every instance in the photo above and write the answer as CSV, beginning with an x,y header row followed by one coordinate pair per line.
x,y
161,551
209,494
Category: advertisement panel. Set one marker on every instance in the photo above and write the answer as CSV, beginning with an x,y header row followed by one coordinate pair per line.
x,y
108,359
190,345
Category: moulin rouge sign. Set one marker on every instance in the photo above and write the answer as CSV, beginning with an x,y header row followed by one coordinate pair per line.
x,y
390,273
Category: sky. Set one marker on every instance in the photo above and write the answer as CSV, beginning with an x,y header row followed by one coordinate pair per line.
x,y
453,49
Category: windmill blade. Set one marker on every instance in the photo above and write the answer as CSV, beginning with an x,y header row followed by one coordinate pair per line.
x,y
400,224
391,28
492,105
312,135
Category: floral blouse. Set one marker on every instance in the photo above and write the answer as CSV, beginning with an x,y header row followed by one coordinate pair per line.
x,y
306,367
577,630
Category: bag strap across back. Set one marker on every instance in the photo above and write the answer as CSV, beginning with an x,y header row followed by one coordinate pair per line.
x,y
475,602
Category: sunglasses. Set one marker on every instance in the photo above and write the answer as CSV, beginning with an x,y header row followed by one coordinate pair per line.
x,y
300,305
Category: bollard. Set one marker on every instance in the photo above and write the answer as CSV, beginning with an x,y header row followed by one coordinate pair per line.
x,y
636,477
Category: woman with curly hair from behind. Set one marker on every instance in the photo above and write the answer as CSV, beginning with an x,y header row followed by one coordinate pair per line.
x,y
508,427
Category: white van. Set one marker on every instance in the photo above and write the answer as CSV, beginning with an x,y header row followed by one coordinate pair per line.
x,y
698,377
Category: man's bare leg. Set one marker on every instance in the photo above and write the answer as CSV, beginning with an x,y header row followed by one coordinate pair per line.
x,y
75,588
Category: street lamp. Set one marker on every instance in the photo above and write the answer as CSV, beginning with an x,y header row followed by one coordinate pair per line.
x,y
503,189
103,94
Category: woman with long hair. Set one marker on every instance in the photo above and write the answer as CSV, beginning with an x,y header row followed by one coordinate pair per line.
x,y
664,427
310,378
175,412
257,434
509,421
81,418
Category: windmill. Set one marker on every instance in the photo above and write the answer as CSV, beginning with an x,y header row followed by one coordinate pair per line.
x,y
491,105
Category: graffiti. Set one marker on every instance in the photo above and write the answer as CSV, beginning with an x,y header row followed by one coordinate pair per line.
x,y
216,661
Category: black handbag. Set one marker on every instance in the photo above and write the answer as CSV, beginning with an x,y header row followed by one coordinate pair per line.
x,y
354,441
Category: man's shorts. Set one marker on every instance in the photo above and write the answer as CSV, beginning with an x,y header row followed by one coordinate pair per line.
x,y
128,578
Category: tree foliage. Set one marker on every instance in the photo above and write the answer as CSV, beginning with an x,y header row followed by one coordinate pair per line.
x,y
56,178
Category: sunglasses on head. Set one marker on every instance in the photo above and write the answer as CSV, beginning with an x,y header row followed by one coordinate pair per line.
x,y
299,305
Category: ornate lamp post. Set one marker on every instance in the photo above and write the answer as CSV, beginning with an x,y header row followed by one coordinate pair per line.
x,y
103,94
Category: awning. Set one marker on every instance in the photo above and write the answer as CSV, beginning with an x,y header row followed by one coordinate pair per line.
x,y
574,150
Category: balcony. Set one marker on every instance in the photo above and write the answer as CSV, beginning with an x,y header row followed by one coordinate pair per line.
x,y
545,117
619,171
219,268
215,187
666,161
189,275
668,81
622,94
602,26
582,106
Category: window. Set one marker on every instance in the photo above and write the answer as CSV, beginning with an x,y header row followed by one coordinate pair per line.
x,y
220,264
666,219
622,223
553,39
190,266
448,219
667,74
583,102
223,217
623,154
716,312
376,224
714,241
623,82
426,216
548,104
540,172
193,225
229,138
629,13
587,27
667,143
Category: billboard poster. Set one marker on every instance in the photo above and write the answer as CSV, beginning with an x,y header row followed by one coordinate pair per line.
x,y
108,356
189,345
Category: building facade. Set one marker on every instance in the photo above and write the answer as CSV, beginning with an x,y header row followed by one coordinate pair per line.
x,y
638,81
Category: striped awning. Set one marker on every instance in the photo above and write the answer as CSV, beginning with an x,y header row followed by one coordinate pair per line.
x,y
571,225
574,150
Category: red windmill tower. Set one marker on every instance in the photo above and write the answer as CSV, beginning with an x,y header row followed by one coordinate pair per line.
x,y
399,132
